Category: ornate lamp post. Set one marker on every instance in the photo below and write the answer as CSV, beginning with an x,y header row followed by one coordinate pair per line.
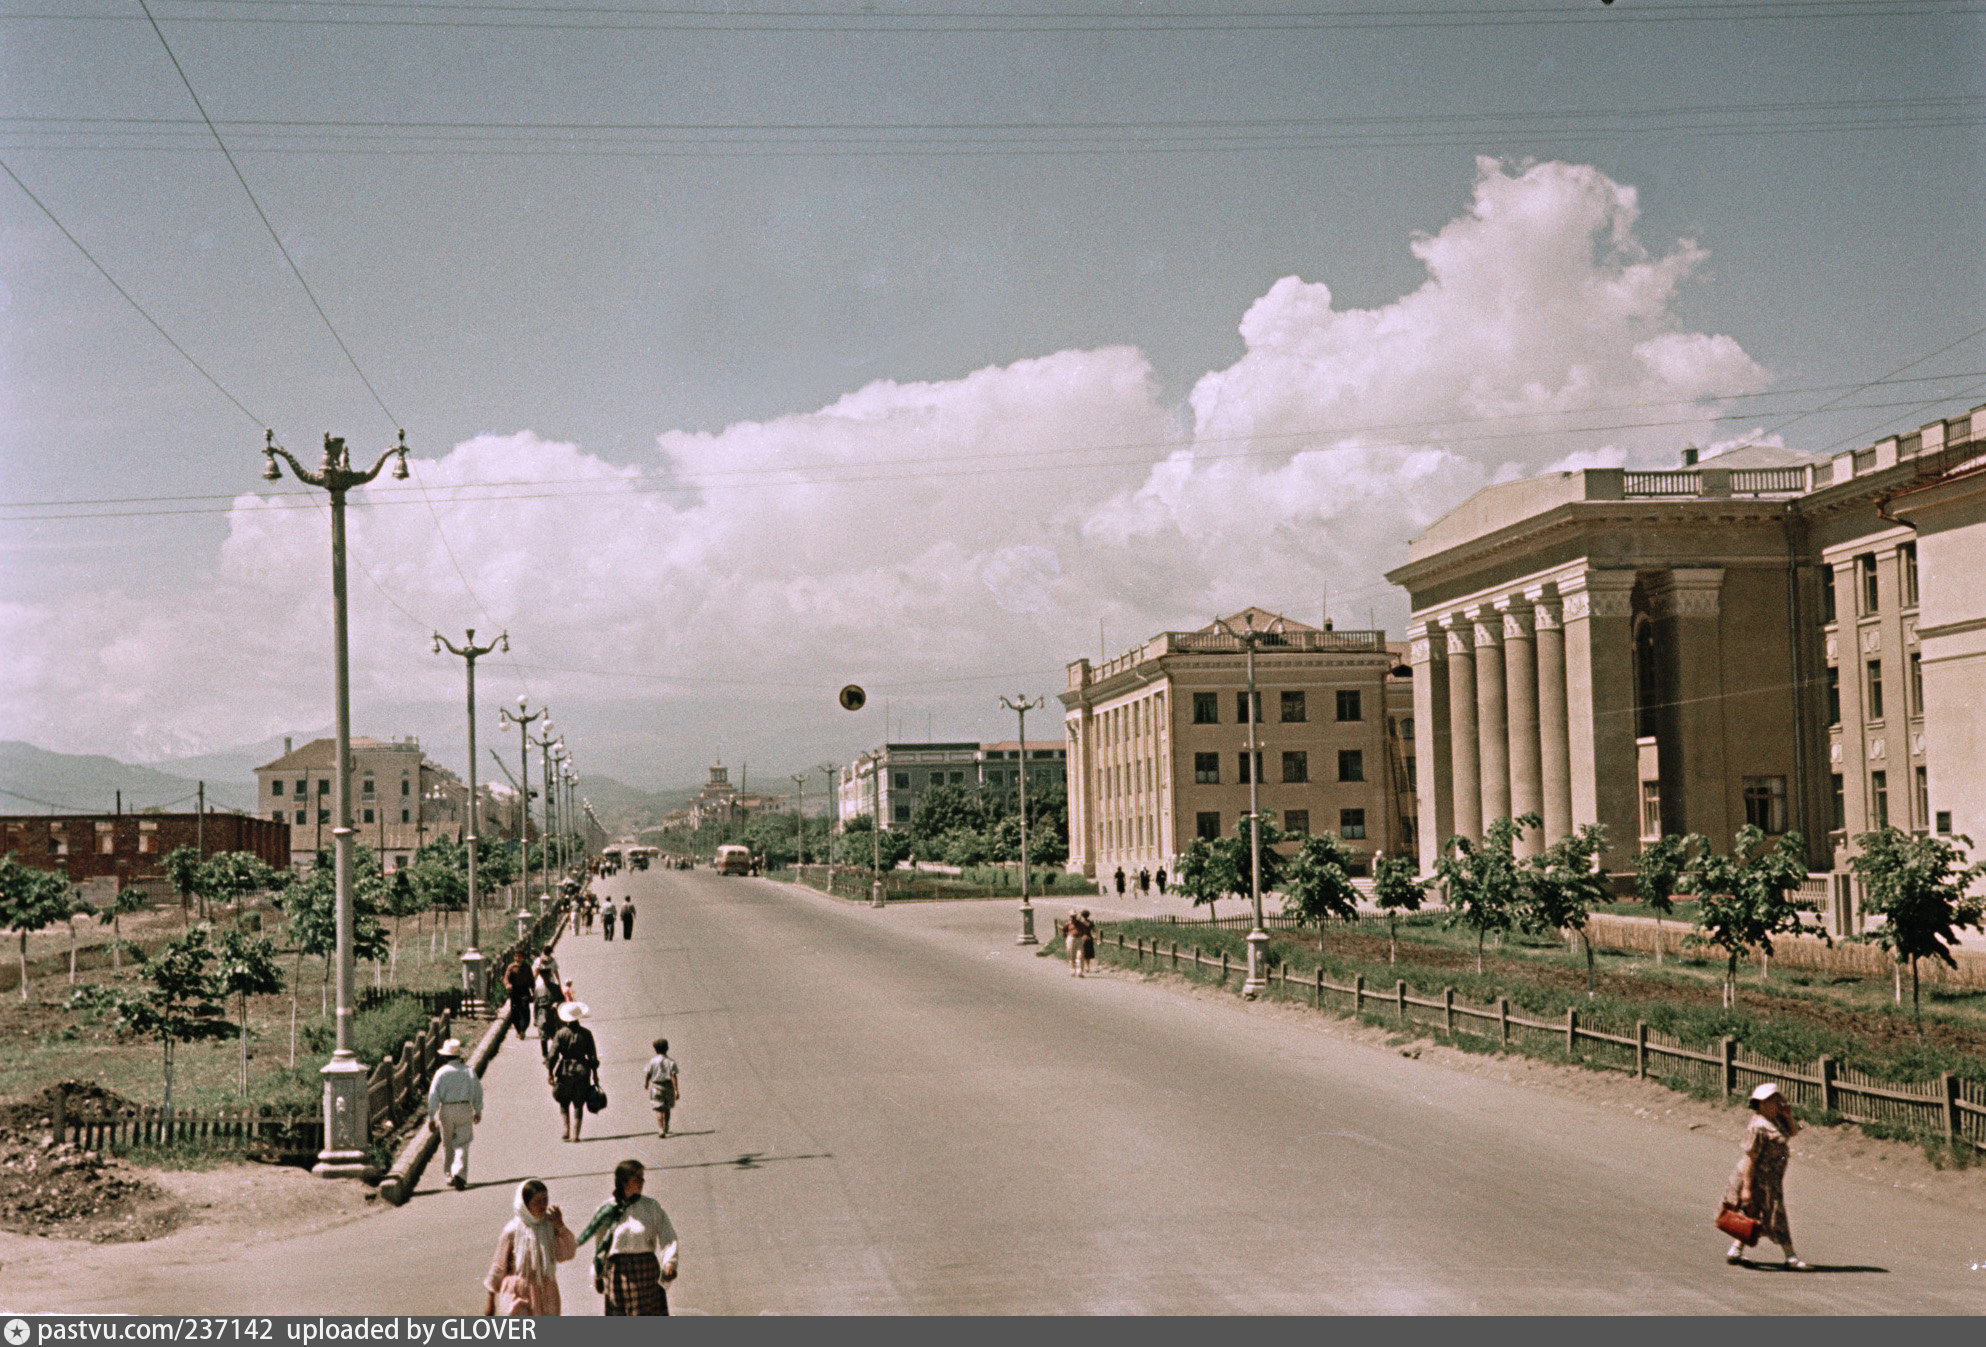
x,y
1022,707
469,651
876,891
1258,939
523,723
346,1120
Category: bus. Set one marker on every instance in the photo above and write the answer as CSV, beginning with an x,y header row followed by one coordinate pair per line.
x,y
733,860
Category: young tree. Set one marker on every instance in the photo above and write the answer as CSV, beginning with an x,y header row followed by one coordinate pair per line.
x,y
946,809
1318,883
1206,874
247,967
857,844
229,877
1563,885
182,871
1918,886
312,909
77,908
31,900
1396,889
404,895
113,913
1658,873
1745,898
1485,887
181,1002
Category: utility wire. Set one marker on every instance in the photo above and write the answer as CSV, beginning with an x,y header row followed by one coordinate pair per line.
x,y
1849,393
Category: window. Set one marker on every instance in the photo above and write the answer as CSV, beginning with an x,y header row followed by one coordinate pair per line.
x,y
1833,695
1207,824
1351,764
1840,804
275,788
1296,822
1916,684
1206,769
1296,767
107,842
901,813
1294,711
1923,793
368,816
324,787
1243,759
1865,567
1241,707
1944,823
1206,708
1413,782
1407,728
366,788
1348,704
406,787
1645,691
903,780
1351,824
300,817
1875,707
1765,803
406,816
1906,557
1406,832
1879,799
957,778
276,814
1827,596
1651,811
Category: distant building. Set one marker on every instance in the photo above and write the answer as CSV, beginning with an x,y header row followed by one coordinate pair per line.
x,y
129,848
720,802
400,800
911,769
1158,742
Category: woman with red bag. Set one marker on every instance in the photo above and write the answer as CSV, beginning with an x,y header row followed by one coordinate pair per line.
x,y
1758,1185
524,1275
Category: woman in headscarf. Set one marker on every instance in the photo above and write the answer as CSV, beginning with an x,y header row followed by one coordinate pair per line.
x,y
524,1275
1758,1184
634,1249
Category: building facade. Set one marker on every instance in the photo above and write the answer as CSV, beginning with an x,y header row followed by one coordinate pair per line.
x,y
400,800
1158,742
910,769
1734,641
130,848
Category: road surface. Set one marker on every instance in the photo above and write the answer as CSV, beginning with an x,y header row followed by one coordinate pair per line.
x,y
902,1112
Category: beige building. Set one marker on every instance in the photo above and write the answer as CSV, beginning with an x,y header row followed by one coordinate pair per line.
x,y
1158,742
400,800
911,769
1735,640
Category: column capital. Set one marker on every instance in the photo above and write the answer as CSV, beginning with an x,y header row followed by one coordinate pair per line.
x,y
1597,594
1489,627
1687,592
1517,617
1461,640
1423,645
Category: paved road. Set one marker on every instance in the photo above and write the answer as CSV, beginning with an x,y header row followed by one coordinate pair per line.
x,y
901,1112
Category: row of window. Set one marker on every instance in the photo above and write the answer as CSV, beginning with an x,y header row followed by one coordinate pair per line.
x,y
366,787
1295,707
1296,767
1766,808
1295,822
324,816
1866,588
1872,690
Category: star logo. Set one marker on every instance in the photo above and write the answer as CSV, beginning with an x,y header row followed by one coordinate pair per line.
x,y
17,1332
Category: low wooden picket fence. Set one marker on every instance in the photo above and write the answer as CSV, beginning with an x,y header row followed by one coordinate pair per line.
x,y
152,1128
397,1087
1948,1105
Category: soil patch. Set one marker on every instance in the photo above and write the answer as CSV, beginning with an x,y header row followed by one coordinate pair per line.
x,y
65,1191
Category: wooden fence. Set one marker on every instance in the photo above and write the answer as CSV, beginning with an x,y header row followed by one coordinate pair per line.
x,y
1948,1105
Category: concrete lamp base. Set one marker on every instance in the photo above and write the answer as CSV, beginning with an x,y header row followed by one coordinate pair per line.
x,y
1027,937
1258,965
346,1119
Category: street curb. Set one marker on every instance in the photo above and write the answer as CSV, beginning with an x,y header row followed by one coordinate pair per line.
x,y
398,1185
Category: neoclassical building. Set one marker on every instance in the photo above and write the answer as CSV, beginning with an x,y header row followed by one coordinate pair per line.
x,y
1735,640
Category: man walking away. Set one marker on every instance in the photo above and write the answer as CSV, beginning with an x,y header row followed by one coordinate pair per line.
x,y
455,1106
627,917
663,1087
1120,881
1161,881
1144,883
607,917
517,981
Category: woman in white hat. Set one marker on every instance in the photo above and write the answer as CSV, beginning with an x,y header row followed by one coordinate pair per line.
x,y
573,1067
1758,1184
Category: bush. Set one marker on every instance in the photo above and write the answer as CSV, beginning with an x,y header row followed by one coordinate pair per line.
x,y
376,1033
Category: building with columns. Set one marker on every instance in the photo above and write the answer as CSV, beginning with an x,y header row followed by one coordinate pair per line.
x,y
1662,652
1158,742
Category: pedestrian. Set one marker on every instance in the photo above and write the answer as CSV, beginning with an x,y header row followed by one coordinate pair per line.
x,y
1120,881
1072,941
664,1089
455,1106
607,917
548,999
1144,883
1160,877
546,969
1758,1185
1089,942
517,981
627,917
524,1275
634,1246
572,1068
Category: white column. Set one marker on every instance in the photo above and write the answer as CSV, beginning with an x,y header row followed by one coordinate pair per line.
x,y
1492,714
1520,684
1464,748
1554,755
1427,653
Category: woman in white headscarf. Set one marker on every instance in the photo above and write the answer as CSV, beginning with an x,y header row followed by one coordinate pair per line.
x,y
524,1275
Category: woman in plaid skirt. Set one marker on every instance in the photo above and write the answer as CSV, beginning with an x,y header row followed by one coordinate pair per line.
x,y
634,1249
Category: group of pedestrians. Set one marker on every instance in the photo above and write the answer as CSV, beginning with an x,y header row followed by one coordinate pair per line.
x,y
611,912
1079,936
634,1251
1143,880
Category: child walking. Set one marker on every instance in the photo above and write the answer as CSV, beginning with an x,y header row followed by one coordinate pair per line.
x,y
663,1088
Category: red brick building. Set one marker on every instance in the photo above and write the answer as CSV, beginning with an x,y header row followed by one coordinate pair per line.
x,y
132,847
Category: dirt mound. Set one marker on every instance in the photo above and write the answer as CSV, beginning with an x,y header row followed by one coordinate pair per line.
x,y
65,1191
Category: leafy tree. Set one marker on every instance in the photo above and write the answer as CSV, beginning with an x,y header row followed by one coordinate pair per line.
x,y
31,899
1205,874
1918,886
312,908
1563,885
403,896
113,913
182,871
246,967
949,809
1318,884
1396,889
858,840
181,1003
1746,897
1485,887
1658,872
231,876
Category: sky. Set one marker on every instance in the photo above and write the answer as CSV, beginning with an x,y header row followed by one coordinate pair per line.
x,y
922,346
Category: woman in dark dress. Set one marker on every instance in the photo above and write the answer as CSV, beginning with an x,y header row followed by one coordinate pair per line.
x,y
573,1067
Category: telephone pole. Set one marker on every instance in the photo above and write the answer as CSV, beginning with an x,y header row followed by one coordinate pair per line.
x,y
1022,707
799,780
469,651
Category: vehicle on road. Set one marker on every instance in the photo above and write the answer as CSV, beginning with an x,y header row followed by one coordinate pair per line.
x,y
733,860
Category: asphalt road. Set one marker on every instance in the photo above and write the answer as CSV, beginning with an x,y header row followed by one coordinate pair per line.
x,y
902,1112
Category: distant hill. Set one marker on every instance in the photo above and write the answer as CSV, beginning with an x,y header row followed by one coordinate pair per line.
x,y
36,781
235,764
622,808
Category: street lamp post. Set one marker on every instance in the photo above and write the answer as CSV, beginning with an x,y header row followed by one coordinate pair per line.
x,y
523,723
1022,707
468,651
347,1122
799,780
549,752
829,770
1258,939
876,896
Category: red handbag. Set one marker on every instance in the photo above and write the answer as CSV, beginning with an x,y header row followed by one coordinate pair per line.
x,y
1737,1225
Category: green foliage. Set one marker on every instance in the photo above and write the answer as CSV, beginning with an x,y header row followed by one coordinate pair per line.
x,y
856,843
1485,887
376,1033
1319,881
1745,897
947,809
181,1001
231,876
182,871
1563,885
1660,867
32,899
311,905
1394,885
1918,885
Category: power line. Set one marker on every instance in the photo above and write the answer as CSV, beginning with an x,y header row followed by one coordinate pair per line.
x,y
1848,393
